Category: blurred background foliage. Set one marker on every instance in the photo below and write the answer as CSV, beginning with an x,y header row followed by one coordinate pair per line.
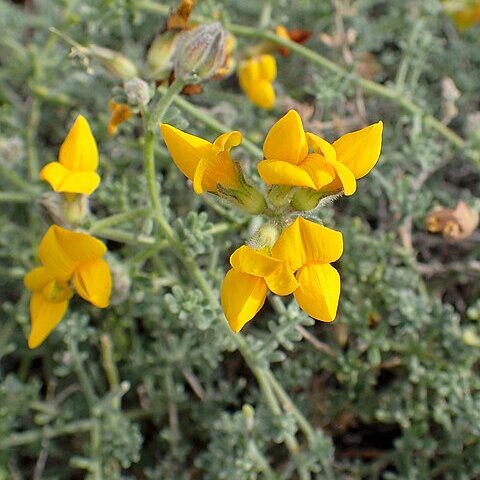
x,y
152,388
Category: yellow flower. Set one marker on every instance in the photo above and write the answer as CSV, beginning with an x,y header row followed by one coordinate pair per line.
x,y
121,112
464,13
256,76
245,287
206,164
75,172
329,168
308,249
65,256
299,264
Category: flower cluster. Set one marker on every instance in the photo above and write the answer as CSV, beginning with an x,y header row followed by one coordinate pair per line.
x,y
68,258
287,255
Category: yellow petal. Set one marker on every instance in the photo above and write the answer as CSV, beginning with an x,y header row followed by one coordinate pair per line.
x,y
261,94
242,296
305,242
280,279
248,74
61,251
253,262
267,67
214,170
276,172
61,179
286,140
36,279
45,316
319,291
360,150
93,282
79,150
228,140
319,145
186,150
345,179
319,170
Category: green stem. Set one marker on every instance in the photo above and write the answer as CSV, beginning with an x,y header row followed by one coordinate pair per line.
x,y
32,129
15,179
16,197
159,110
369,86
83,379
118,218
124,236
31,436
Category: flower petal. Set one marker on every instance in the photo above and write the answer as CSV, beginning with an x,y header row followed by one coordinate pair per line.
x,y
282,281
319,170
345,179
186,150
45,316
261,94
61,251
79,150
253,262
228,140
319,145
248,74
306,242
36,279
242,296
360,150
93,282
61,179
277,172
214,170
286,140
319,291
267,67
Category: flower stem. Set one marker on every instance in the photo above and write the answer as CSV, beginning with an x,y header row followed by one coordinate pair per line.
x,y
113,220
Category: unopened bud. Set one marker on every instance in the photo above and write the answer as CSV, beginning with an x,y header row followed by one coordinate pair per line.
x,y
114,62
137,91
266,236
200,52
160,55
66,210
75,208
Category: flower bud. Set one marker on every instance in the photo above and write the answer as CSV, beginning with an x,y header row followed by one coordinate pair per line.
x,y
114,62
160,55
265,236
137,91
66,210
200,52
